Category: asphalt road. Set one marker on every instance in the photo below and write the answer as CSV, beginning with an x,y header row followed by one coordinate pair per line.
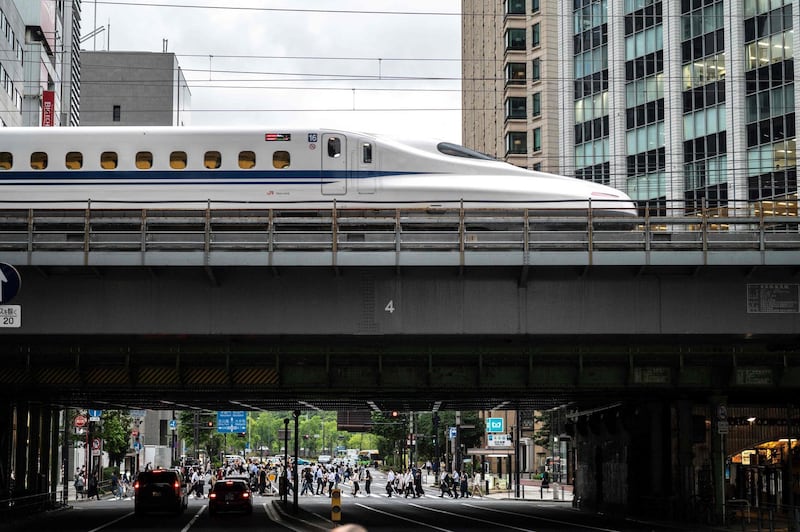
x,y
375,512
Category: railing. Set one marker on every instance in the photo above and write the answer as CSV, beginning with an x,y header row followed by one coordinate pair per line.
x,y
23,506
338,231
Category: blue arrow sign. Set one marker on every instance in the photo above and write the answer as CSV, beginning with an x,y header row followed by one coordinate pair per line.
x,y
173,423
95,413
231,421
10,282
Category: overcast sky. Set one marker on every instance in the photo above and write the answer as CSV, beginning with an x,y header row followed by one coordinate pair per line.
x,y
395,62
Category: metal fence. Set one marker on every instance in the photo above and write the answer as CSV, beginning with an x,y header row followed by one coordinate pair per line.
x,y
339,231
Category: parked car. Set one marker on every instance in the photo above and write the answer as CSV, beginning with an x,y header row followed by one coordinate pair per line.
x,y
160,490
230,495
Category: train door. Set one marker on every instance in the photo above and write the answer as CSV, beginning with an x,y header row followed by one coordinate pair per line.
x,y
367,162
334,164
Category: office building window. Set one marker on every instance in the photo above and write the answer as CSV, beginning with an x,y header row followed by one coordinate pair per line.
x,y
117,113
515,39
535,35
535,7
536,103
515,73
590,16
536,69
515,7
644,42
516,143
591,61
537,139
516,107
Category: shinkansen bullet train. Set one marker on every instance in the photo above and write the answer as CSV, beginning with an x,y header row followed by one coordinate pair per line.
x,y
166,167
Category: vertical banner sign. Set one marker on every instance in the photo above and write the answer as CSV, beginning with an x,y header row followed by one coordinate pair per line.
x,y
48,108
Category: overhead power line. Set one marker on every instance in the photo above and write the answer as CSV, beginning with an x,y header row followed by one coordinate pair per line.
x,y
281,10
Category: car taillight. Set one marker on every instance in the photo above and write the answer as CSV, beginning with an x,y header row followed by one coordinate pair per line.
x,y
177,487
212,495
245,495
136,485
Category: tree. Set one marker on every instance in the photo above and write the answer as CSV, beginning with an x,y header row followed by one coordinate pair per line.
x,y
115,433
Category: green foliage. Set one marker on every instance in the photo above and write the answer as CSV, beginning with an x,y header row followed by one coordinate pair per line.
x,y
542,435
115,432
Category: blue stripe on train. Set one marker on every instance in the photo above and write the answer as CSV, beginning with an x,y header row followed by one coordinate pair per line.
x,y
173,177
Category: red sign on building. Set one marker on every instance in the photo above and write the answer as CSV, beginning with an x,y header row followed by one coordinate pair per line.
x,y
48,108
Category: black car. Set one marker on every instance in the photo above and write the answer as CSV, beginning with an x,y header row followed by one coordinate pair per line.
x,y
230,495
160,490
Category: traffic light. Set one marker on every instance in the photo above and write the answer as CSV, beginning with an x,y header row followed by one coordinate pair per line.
x,y
210,424
395,414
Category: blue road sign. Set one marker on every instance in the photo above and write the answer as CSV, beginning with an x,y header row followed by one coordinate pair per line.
x,y
173,423
95,414
494,424
137,446
10,282
231,421
453,433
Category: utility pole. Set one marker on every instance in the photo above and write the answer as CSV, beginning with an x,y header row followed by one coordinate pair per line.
x,y
436,448
457,443
295,470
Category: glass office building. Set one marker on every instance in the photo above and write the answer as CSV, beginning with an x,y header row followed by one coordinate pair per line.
x,y
685,105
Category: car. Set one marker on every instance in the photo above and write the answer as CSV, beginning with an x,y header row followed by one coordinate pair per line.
x,y
160,490
230,495
324,459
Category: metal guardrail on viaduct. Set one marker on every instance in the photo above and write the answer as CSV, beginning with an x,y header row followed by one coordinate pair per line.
x,y
470,305
409,237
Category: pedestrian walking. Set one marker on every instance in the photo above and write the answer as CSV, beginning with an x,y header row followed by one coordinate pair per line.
x,y
367,480
79,485
444,484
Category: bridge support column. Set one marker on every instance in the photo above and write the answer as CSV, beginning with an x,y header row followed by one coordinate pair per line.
x,y
33,479
19,467
719,414
6,448
45,450
685,438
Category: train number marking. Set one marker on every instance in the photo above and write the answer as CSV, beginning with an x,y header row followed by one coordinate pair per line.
x,y
389,307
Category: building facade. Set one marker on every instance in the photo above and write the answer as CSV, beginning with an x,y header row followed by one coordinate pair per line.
x,y
39,62
133,89
685,105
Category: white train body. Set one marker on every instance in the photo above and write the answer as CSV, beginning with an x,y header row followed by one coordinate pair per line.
x,y
163,167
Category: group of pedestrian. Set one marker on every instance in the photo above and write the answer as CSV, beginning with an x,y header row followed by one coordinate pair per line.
x,y
322,479
458,484
406,483
86,487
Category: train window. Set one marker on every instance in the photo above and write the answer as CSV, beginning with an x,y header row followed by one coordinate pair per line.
x,y
73,160
213,160
334,147
6,160
38,160
177,160
247,159
144,160
281,159
108,160
366,149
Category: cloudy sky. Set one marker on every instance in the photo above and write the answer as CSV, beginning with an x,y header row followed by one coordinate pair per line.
x,y
382,66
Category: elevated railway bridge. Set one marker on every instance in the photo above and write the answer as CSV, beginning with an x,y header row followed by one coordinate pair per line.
x,y
636,328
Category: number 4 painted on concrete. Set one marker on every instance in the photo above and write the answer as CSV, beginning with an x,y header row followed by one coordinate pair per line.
x,y
389,307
